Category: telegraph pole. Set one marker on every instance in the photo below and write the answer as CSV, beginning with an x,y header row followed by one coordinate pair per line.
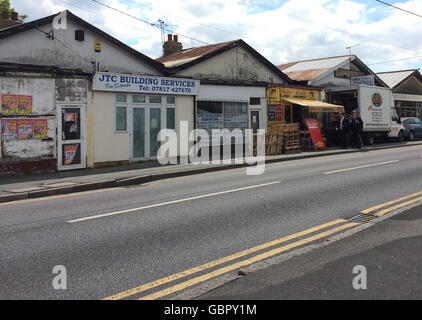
x,y
350,60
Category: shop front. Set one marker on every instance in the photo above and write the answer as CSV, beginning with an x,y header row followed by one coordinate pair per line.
x,y
231,107
42,121
126,113
408,105
301,106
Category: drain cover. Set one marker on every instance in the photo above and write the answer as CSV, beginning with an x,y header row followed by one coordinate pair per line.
x,y
361,218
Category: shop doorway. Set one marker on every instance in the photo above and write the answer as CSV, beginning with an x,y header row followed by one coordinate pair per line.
x,y
71,138
255,125
146,124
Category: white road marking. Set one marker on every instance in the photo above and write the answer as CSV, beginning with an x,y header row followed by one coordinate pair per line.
x,y
361,167
172,202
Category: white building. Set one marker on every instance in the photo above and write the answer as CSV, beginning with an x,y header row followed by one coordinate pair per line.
x,y
95,124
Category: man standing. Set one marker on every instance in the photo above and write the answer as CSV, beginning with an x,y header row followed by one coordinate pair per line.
x,y
342,130
356,126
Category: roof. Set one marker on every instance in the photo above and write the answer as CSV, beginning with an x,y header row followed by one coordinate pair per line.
x,y
306,75
395,78
313,64
186,58
308,70
49,19
186,55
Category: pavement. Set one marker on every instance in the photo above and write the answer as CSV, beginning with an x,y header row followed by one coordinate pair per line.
x,y
13,188
159,240
389,250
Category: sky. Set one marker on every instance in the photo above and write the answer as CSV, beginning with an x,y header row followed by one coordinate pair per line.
x,y
281,30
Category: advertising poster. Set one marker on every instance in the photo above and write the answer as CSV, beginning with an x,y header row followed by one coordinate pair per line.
x,y
275,114
40,129
69,153
24,104
271,113
315,134
279,113
9,103
273,95
24,129
9,129
70,117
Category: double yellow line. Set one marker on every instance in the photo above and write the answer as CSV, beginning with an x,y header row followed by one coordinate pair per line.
x,y
342,225
332,228
378,213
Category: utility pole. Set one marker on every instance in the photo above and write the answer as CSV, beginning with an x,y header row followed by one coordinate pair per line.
x,y
350,60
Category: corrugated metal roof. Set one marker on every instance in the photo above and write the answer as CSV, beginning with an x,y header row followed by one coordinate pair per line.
x,y
326,63
395,77
305,75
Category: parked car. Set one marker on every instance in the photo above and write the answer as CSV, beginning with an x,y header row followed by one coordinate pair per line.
x,y
412,128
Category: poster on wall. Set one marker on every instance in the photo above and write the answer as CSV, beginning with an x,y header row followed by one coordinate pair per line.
x,y
9,130
25,129
315,133
24,104
275,114
40,128
271,113
279,113
71,154
9,103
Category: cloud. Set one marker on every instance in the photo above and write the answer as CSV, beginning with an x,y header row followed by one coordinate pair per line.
x,y
282,31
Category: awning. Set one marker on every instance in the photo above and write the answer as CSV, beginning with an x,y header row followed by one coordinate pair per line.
x,y
316,106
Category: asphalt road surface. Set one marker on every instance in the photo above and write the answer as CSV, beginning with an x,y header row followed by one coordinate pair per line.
x,y
115,240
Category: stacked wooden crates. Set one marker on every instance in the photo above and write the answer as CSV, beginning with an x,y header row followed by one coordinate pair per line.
x,y
282,139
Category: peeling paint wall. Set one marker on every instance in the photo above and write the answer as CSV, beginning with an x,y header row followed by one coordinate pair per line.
x,y
41,90
71,90
43,108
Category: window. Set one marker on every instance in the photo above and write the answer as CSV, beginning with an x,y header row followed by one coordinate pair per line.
x,y
210,107
255,101
121,98
154,99
171,118
121,119
138,99
236,115
171,100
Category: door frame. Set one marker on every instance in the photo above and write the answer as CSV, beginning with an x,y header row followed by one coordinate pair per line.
x,y
261,113
147,132
82,140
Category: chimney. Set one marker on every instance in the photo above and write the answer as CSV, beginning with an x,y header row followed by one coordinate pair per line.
x,y
9,20
172,44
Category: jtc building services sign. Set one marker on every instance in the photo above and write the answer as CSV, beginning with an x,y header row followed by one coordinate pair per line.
x,y
106,81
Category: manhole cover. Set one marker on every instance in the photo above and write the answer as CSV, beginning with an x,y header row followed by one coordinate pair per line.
x,y
361,218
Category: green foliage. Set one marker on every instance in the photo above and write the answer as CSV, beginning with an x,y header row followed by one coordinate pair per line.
x,y
5,6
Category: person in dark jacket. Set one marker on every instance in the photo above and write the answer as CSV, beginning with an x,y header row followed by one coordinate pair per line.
x,y
342,129
356,126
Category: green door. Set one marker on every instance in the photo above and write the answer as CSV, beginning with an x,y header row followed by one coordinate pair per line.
x,y
154,129
138,133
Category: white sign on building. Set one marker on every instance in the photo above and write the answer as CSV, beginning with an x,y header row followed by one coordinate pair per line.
x,y
366,80
105,81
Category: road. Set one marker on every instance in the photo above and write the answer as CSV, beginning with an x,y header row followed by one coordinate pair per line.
x,y
114,240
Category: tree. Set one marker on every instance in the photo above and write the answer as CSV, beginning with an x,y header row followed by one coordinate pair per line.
x,y
5,6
